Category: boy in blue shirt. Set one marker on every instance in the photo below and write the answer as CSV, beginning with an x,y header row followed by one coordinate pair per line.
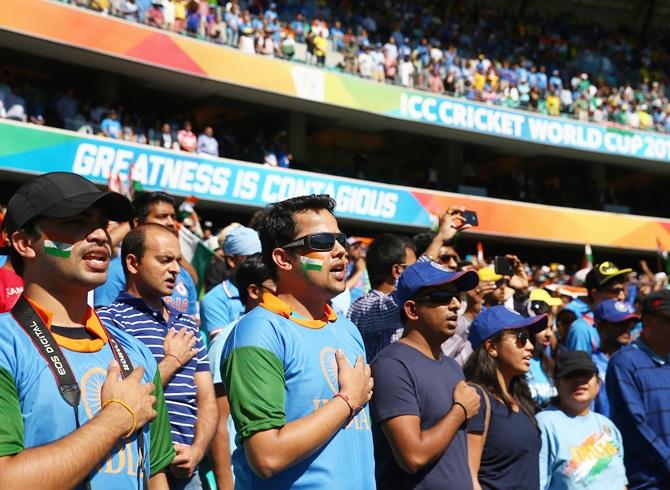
x,y
615,319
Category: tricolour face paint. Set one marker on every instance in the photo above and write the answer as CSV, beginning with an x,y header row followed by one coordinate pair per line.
x,y
311,262
57,246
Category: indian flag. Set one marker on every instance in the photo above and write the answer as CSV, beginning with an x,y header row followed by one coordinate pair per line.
x,y
310,262
58,249
195,251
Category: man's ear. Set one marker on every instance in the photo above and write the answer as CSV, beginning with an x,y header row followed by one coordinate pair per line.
x,y
24,244
229,261
411,310
253,292
282,259
132,264
396,271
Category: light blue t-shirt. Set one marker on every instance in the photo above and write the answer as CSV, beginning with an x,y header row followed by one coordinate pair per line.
x,y
280,368
542,388
215,356
219,307
580,453
184,297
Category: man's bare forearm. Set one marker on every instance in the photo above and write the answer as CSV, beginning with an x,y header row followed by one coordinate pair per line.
x,y
208,413
66,462
274,450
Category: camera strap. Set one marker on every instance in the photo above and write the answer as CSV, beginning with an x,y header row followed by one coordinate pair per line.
x,y
43,340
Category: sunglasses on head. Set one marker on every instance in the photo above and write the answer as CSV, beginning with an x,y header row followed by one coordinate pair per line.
x,y
319,242
438,297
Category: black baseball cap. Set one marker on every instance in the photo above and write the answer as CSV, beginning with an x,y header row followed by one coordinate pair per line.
x,y
61,195
603,274
572,362
658,302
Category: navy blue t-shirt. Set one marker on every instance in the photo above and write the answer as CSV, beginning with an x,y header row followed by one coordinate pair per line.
x,y
510,460
409,383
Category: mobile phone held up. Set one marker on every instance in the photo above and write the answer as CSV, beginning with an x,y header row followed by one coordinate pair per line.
x,y
470,218
503,266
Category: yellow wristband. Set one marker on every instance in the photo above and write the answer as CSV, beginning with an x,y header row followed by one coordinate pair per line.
x,y
130,410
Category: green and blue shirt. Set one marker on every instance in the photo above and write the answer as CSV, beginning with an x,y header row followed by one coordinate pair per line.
x,y
35,414
278,368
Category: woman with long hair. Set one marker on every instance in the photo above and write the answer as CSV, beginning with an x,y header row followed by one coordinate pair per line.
x,y
503,438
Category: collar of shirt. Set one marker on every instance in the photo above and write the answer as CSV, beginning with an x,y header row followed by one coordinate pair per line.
x,y
642,345
140,305
230,289
275,305
91,323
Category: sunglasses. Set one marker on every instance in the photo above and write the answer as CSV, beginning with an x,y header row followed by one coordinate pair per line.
x,y
449,257
522,337
438,297
319,242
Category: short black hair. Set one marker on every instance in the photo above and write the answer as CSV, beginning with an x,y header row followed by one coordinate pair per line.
x,y
30,229
385,251
134,241
422,241
251,271
277,227
143,202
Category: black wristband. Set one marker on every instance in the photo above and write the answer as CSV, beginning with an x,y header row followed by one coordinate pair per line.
x,y
465,412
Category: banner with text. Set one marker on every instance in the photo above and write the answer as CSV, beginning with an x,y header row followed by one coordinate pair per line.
x,y
142,44
34,150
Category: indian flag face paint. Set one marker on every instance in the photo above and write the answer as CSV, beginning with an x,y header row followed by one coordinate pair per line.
x,y
311,262
58,248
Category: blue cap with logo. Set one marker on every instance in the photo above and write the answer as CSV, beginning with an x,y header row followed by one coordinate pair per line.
x,y
242,241
426,274
614,311
498,318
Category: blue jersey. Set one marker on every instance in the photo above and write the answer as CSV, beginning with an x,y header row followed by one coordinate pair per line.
x,y
219,307
279,368
184,297
35,414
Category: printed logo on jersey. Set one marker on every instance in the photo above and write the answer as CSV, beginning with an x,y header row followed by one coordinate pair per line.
x,y
592,457
329,370
122,458
329,367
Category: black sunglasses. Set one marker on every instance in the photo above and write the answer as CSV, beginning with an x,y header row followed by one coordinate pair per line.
x,y
522,336
437,297
319,242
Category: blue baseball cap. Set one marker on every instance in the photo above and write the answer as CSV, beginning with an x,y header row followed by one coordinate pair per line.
x,y
498,318
241,241
614,311
426,274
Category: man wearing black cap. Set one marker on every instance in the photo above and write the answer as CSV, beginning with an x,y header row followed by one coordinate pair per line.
x,y
638,387
75,396
604,281
423,419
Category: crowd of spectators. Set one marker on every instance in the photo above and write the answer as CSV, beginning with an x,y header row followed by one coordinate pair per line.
x,y
559,65
556,358
25,98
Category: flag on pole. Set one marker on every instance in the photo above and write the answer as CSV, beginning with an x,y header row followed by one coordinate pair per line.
x,y
195,251
480,252
587,263
134,185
